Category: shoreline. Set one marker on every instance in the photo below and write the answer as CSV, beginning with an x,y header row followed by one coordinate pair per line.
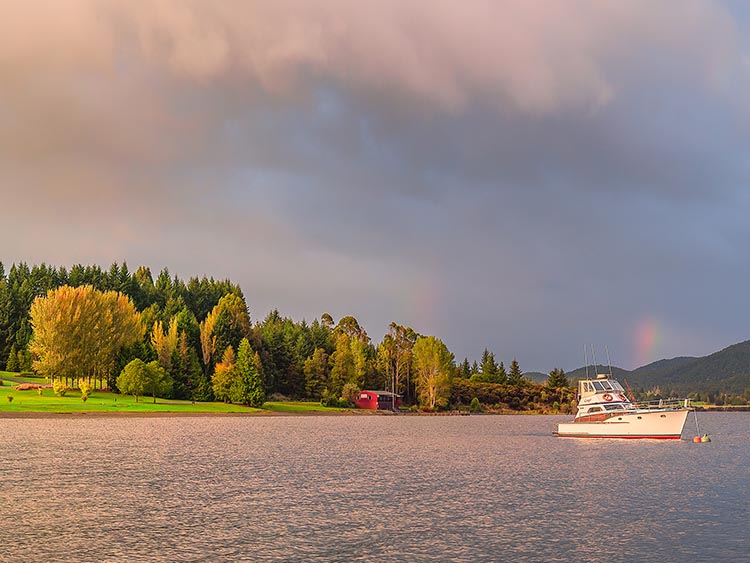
x,y
264,413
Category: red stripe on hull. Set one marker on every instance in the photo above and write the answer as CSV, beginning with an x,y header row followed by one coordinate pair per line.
x,y
620,437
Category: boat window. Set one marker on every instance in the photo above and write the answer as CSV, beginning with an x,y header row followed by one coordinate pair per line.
x,y
587,386
595,409
606,385
614,407
616,386
597,385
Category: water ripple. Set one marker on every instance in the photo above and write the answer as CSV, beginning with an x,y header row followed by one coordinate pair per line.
x,y
335,489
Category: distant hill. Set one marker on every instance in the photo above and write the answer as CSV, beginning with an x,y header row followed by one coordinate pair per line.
x,y
580,373
537,376
725,371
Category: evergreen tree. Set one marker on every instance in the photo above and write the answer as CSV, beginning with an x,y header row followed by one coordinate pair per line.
x,y
25,360
489,367
316,373
515,375
200,383
12,363
557,379
502,375
247,388
465,371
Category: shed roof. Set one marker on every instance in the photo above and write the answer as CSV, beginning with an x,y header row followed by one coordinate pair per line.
x,y
381,393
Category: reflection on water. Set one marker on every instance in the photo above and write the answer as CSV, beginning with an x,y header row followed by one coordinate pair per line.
x,y
480,488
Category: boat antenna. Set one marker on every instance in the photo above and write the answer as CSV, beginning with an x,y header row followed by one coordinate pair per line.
x,y
586,360
630,392
593,356
608,362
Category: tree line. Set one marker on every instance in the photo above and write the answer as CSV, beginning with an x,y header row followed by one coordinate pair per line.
x,y
196,340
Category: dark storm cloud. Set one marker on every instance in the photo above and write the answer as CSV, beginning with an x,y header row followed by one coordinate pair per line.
x,y
526,176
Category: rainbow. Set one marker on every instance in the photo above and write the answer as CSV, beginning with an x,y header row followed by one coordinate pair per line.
x,y
646,339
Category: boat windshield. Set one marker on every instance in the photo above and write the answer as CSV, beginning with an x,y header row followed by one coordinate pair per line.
x,y
604,385
614,407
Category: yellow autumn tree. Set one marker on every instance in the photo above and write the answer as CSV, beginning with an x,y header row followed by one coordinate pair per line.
x,y
78,332
208,339
226,325
165,342
433,365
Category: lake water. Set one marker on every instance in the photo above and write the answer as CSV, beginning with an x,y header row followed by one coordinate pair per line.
x,y
367,488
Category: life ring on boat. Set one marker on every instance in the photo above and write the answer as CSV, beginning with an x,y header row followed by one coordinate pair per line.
x,y
607,397
622,397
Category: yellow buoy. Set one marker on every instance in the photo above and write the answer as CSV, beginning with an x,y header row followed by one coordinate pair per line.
x,y
705,438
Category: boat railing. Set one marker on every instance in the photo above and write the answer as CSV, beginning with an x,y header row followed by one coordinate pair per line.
x,y
662,404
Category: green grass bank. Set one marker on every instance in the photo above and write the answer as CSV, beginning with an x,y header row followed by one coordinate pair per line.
x,y
105,402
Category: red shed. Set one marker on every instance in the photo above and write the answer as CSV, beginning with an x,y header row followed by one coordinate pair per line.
x,y
382,400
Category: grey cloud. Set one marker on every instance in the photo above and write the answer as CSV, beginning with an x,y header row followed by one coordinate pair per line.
x,y
519,175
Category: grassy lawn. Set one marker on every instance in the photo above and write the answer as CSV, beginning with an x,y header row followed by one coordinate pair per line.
x,y
104,401
299,407
27,378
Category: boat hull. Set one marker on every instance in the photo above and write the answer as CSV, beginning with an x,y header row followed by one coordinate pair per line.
x,y
655,425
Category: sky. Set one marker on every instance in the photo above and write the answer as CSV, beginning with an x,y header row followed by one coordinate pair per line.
x,y
528,176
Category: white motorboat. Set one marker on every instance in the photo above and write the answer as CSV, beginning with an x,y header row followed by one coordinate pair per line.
x,y
604,411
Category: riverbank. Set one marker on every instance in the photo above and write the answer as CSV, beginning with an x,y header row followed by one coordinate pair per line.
x,y
35,403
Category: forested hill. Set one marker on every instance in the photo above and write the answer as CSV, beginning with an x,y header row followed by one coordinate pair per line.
x,y
725,371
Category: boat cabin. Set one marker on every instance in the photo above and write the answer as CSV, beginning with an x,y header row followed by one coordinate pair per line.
x,y
601,398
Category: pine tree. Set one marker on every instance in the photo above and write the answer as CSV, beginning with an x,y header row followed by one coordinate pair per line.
x,y
515,375
557,379
502,375
12,364
465,369
489,367
247,388
201,390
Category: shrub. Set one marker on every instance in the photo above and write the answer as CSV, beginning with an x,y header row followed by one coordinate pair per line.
x,y
278,398
85,387
349,394
59,388
555,406
475,405
326,399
